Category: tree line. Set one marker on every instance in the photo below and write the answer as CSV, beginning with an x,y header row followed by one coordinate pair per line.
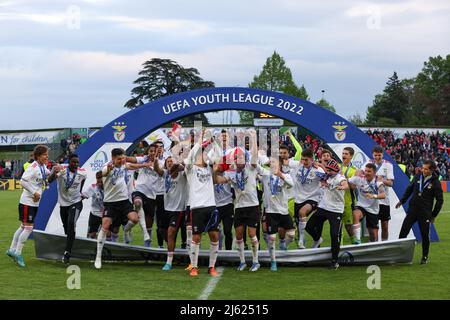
x,y
421,100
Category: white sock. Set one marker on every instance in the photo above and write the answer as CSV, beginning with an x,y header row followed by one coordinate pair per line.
x,y
169,258
141,216
189,240
16,239
213,252
357,231
290,235
272,239
301,231
255,246
23,238
240,249
100,242
195,248
129,226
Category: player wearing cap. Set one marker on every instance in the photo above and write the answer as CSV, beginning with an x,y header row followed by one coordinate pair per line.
x,y
242,177
331,208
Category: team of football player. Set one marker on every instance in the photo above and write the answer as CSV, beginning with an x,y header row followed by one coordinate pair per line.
x,y
212,184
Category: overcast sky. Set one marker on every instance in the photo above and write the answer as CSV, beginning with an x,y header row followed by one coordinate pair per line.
x,y
72,63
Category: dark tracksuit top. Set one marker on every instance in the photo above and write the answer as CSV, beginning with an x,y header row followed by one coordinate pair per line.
x,y
421,208
423,205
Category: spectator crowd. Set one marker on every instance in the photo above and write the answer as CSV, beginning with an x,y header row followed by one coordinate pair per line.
x,y
411,149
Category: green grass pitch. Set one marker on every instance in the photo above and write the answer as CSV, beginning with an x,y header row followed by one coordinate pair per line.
x,y
47,279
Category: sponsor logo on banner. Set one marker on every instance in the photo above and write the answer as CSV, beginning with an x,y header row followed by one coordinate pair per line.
x,y
100,159
359,159
119,134
339,134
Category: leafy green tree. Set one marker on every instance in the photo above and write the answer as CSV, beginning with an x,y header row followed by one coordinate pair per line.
x,y
391,104
356,119
164,77
325,104
432,85
275,76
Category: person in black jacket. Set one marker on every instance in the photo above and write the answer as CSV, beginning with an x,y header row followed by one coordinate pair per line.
x,y
425,187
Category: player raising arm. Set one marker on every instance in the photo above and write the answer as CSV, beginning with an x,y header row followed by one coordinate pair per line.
x,y
331,208
118,207
70,180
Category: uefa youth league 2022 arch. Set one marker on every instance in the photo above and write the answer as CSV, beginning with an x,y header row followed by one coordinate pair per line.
x,y
131,127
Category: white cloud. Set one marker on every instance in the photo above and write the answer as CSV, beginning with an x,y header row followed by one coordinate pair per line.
x,y
182,27
395,8
49,18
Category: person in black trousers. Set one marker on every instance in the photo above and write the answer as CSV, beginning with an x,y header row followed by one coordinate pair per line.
x,y
425,187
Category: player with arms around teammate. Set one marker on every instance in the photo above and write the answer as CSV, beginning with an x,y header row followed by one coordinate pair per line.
x,y
70,180
331,208
306,180
276,185
96,193
385,174
370,191
175,205
118,207
146,187
33,181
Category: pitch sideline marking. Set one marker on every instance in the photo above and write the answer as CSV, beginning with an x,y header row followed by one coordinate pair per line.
x,y
211,285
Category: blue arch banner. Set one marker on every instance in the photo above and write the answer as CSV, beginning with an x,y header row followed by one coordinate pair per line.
x,y
134,125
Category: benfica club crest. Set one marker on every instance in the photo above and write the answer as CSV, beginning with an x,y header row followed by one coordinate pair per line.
x,y
339,134
119,134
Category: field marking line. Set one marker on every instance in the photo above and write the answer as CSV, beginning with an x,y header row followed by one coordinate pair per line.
x,y
211,285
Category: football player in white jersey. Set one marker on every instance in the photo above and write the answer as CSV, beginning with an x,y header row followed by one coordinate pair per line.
x,y
247,213
307,188
96,193
285,157
146,187
276,185
161,234
331,208
224,196
70,180
175,205
118,207
202,201
33,182
385,174
370,191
